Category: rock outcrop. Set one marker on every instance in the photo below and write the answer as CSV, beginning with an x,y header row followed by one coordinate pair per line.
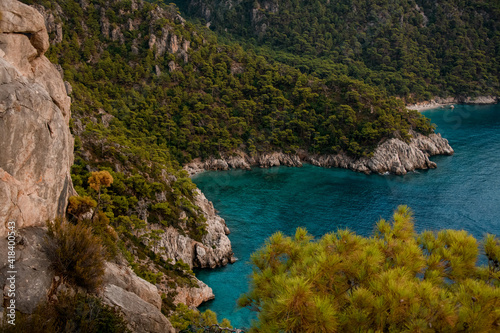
x,y
213,250
391,156
141,316
479,100
34,276
123,277
193,297
35,141
438,102
138,299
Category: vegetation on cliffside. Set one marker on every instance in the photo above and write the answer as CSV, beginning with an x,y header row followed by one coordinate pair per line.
x,y
151,91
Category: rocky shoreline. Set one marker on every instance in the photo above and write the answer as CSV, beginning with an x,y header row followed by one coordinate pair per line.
x,y
442,102
391,156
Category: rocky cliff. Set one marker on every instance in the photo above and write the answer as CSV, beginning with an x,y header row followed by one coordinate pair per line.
x,y
35,160
213,250
137,299
35,141
392,156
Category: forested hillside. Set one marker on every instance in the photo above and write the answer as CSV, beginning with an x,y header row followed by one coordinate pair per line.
x,y
198,98
415,49
151,91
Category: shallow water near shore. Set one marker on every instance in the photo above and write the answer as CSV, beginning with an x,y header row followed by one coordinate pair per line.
x,y
462,193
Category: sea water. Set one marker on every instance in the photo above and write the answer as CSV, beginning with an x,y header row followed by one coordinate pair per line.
x,y
462,193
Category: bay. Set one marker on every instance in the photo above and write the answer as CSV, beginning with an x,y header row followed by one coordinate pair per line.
x,y
462,193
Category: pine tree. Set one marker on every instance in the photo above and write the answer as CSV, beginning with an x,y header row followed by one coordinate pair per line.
x,y
394,281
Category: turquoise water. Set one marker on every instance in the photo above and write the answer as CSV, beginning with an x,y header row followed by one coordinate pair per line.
x,y
462,193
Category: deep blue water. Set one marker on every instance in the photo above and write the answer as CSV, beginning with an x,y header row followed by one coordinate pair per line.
x,y
462,193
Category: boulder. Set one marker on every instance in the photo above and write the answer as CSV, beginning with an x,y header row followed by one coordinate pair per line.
x,y
141,316
125,278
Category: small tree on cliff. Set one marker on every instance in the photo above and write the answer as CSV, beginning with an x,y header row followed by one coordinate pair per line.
x,y
79,206
97,180
393,281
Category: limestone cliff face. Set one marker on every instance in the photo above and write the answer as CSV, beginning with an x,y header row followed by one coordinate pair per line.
x,y
213,250
35,142
393,156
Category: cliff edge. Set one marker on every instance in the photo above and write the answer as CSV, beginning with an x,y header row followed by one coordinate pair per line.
x,y
35,141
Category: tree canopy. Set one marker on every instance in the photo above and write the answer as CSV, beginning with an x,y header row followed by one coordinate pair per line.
x,y
412,48
394,281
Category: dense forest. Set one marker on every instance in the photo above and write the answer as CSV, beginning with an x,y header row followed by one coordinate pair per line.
x,y
213,98
415,49
151,91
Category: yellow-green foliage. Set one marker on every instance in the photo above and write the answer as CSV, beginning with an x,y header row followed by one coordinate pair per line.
x,y
78,206
394,281
100,178
187,320
76,253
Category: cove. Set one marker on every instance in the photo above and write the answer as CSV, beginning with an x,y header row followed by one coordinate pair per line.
x,y
462,193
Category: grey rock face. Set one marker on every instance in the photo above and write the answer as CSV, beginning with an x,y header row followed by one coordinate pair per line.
x,y
51,23
142,317
35,141
126,279
479,100
193,297
392,156
34,276
213,250
444,102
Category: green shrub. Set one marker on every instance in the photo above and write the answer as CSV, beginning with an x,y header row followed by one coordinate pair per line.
x,y
395,281
76,253
187,320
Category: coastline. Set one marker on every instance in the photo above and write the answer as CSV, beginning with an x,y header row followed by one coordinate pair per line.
x,y
400,166
448,102
392,156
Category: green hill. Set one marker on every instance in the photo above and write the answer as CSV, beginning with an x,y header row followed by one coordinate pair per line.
x,y
415,49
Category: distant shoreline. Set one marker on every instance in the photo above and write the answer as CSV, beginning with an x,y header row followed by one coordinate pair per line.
x,y
429,106
446,102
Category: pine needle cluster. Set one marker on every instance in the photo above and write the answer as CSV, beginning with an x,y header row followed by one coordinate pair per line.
x,y
394,281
